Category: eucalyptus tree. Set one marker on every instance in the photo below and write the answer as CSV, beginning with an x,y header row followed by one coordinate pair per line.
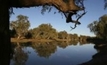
x,y
62,35
99,27
53,34
35,33
44,31
21,25
75,37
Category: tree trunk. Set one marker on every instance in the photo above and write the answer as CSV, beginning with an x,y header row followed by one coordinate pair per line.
x,y
19,36
5,45
48,36
64,6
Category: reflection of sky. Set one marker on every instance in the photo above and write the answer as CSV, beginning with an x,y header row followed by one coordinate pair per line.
x,y
71,55
76,54
94,8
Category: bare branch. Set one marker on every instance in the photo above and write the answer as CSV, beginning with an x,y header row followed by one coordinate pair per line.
x,y
81,15
77,22
74,12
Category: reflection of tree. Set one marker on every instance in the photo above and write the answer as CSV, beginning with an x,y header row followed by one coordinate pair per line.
x,y
44,49
100,58
83,42
19,57
83,39
65,44
73,42
62,44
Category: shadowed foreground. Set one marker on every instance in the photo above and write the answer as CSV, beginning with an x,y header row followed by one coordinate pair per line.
x,y
99,58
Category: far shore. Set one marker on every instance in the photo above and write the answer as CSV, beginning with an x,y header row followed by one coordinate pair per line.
x,y
35,40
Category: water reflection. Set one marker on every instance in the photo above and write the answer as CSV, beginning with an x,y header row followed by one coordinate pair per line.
x,y
20,57
44,49
51,53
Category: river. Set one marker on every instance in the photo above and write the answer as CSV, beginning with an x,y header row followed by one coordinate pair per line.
x,y
52,53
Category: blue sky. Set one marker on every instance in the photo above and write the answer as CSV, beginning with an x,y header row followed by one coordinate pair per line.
x,y
94,8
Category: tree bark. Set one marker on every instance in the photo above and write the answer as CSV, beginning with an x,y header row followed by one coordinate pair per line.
x,y
5,45
64,6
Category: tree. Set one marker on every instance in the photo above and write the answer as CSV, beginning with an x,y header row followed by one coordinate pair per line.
x,y
62,35
44,31
99,28
35,33
48,31
21,25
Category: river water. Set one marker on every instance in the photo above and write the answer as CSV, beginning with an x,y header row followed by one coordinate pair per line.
x,y
52,53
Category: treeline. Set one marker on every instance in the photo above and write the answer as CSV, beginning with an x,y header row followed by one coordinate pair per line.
x,y
20,29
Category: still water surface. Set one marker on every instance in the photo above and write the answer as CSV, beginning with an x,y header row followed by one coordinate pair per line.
x,y
54,53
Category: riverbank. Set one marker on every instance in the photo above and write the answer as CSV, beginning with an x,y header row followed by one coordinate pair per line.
x,y
29,40
36,40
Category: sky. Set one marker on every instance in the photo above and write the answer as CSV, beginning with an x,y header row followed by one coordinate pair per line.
x,y
94,8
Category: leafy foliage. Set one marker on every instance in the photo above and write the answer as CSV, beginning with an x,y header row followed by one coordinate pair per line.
x,y
44,31
99,28
62,35
21,25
